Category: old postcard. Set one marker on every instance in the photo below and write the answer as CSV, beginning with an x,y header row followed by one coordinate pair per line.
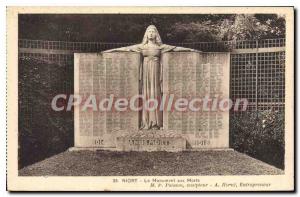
x,y
150,98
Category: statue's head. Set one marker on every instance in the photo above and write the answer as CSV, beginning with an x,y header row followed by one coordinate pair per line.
x,y
152,34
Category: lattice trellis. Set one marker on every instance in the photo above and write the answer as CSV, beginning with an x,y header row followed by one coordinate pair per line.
x,y
255,75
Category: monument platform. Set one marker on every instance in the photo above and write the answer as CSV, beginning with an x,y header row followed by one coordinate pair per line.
x,y
149,141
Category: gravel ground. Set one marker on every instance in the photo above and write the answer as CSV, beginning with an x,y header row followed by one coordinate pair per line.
x,y
107,163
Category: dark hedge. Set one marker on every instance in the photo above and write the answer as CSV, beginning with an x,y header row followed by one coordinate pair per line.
x,y
260,135
42,131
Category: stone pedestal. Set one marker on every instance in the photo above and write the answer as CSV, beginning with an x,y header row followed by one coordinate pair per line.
x,y
151,141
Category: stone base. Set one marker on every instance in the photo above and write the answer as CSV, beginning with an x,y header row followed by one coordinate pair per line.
x,y
208,149
151,141
73,149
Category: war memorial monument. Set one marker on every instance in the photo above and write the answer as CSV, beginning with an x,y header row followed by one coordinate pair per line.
x,y
146,72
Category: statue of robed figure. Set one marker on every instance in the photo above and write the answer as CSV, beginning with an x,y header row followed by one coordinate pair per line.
x,y
151,73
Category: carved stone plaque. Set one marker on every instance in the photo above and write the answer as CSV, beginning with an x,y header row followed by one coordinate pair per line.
x,y
105,75
193,75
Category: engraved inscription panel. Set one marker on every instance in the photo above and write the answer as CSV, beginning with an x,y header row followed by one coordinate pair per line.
x,y
194,75
105,75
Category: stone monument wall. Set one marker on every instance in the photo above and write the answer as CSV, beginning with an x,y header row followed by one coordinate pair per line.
x,y
194,75
103,75
185,75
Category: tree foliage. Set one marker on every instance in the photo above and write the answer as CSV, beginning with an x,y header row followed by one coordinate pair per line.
x,y
131,27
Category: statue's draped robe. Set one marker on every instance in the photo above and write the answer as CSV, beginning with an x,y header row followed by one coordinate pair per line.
x,y
151,77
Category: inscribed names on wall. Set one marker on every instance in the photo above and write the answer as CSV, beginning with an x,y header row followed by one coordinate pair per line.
x,y
193,75
104,75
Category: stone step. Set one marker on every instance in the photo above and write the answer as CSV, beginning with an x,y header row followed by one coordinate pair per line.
x,y
151,141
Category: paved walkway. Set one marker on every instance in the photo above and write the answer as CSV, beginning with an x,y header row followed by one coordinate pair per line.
x,y
106,163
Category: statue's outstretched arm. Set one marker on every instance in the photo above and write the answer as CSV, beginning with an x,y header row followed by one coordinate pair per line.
x,y
132,48
169,48
184,49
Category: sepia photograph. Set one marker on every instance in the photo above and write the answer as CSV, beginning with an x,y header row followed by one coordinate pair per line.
x,y
150,98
